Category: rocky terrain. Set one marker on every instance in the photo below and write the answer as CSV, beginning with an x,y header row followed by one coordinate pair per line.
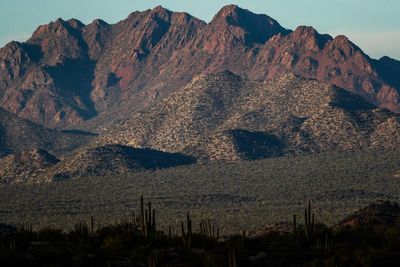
x,y
38,166
18,134
164,89
70,75
113,159
223,116
25,167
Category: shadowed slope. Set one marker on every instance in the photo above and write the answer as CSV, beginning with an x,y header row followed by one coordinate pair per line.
x,y
69,74
223,116
113,159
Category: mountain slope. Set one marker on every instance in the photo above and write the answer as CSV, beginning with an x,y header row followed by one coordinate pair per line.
x,y
222,116
112,159
25,167
18,134
73,75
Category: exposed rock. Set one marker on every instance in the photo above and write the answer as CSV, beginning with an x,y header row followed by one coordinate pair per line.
x,y
69,74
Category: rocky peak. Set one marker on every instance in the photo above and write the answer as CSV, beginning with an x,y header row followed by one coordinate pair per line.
x,y
389,69
232,27
161,12
60,40
259,27
228,11
100,23
96,37
343,46
128,65
76,24
310,38
13,51
15,58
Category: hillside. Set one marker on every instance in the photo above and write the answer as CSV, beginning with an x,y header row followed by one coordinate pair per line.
x,y
25,167
222,116
112,160
70,75
18,134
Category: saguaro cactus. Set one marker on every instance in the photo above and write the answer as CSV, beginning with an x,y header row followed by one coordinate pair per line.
x,y
209,230
147,218
309,219
187,236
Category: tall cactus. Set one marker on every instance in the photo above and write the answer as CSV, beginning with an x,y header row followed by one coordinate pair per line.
x,y
309,219
147,218
209,230
187,236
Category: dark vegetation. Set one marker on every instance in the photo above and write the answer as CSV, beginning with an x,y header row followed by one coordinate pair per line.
x,y
250,193
137,241
116,229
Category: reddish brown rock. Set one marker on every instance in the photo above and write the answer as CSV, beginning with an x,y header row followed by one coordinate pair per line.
x,y
69,74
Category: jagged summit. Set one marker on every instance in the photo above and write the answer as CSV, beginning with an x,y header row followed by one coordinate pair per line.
x,y
160,9
71,75
246,25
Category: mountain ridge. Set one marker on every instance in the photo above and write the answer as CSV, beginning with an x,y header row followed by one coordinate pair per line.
x,y
222,116
118,69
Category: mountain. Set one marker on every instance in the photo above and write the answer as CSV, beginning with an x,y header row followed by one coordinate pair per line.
x,y
223,116
17,135
25,167
71,75
216,117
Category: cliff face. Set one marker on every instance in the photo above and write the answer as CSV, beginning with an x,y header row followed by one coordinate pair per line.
x,y
69,74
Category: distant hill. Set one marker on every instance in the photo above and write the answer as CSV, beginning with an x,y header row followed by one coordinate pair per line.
x,y
18,134
223,116
25,167
217,117
113,159
70,75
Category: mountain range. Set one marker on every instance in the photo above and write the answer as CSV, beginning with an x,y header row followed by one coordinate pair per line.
x,y
163,88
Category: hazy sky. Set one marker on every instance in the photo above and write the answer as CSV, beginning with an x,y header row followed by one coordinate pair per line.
x,y
374,25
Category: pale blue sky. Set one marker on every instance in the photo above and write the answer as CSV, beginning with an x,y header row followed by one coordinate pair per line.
x,y
374,25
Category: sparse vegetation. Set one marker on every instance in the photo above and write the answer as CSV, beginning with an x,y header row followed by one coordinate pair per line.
x,y
131,243
250,193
